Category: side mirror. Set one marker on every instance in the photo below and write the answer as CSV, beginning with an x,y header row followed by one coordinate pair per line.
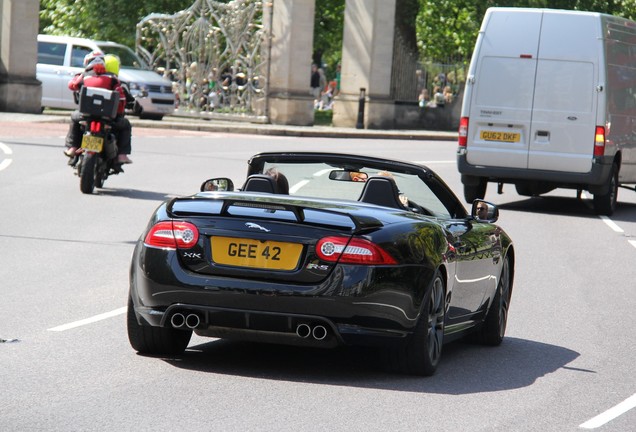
x,y
484,211
222,184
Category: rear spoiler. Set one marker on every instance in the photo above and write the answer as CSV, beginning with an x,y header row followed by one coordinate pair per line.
x,y
303,211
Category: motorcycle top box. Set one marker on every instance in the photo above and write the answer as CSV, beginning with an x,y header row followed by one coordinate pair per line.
x,y
95,101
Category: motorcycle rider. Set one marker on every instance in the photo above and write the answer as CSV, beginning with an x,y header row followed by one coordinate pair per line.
x,y
101,71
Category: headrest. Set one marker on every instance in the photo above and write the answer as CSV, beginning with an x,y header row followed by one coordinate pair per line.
x,y
381,190
260,183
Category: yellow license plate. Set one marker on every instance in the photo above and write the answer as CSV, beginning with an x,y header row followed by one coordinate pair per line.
x,y
242,252
92,143
500,136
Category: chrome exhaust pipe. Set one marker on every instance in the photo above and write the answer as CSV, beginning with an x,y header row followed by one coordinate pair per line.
x,y
303,331
178,320
192,321
319,332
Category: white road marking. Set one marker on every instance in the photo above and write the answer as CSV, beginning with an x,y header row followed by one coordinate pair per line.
x,y
610,414
6,150
632,242
610,223
295,188
90,320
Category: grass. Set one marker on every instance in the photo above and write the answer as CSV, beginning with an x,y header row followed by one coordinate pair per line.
x,y
322,118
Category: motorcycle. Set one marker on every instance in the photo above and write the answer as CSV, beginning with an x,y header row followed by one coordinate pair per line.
x,y
96,159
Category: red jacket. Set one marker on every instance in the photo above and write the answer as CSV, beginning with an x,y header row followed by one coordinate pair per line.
x,y
100,79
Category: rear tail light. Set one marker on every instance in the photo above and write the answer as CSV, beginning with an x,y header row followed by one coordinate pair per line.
x,y
463,131
354,251
172,235
96,127
599,141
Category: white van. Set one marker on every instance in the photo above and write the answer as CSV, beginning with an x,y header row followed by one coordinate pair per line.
x,y
61,57
550,102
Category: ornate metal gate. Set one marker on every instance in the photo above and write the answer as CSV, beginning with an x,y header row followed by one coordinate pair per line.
x,y
216,54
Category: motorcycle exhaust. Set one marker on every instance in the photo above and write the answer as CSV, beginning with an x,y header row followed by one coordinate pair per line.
x,y
303,331
178,320
192,321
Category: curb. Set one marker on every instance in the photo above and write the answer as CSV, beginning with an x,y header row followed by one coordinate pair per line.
x,y
240,127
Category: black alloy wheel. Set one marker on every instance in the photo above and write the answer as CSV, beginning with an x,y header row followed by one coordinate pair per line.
x,y
494,327
421,355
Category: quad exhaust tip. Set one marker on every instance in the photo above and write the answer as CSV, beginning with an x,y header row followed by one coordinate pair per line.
x,y
192,321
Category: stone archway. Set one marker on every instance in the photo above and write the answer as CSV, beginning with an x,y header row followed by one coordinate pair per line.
x,y
20,91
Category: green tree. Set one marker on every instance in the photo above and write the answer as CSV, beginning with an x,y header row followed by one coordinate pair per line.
x,y
114,20
447,29
328,28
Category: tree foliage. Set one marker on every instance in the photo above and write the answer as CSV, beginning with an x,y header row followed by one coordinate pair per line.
x,y
328,30
447,29
113,20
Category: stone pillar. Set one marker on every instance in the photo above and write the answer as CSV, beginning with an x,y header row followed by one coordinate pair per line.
x,y
20,91
367,58
292,29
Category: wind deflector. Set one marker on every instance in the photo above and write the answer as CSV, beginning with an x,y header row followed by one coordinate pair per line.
x,y
256,206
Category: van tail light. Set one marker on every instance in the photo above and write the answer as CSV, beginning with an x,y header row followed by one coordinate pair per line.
x,y
354,251
172,235
599,141
463,131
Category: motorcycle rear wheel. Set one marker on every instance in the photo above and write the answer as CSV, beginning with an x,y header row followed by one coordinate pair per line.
x,y
87,173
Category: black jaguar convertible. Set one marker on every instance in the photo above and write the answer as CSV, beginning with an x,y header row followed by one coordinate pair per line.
x,y
323,250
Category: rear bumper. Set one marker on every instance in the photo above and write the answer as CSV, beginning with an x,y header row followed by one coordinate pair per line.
x,y
259,326
352,304
156,103
597,176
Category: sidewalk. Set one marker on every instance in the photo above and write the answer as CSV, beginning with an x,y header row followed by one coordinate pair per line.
x,y
225,126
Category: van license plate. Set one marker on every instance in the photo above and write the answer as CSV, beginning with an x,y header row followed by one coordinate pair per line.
x,y
92,143
500,136
243,252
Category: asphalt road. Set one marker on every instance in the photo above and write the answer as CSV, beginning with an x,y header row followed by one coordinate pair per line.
x,y
65,361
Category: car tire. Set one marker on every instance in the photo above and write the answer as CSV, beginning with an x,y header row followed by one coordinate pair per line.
x,y
494,326
422,353
146,116
146,339
605,204
473,192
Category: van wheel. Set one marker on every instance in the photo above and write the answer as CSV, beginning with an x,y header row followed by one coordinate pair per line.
x,y
605,204
473,192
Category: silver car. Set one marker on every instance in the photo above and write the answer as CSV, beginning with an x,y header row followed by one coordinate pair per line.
x,y
61,57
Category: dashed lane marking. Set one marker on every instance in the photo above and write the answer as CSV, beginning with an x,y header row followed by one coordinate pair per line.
x,y
90,320
6,150
610,223
610,414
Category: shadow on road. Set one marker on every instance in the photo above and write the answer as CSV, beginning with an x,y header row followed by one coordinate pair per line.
x,y
566,206
135,194
464,369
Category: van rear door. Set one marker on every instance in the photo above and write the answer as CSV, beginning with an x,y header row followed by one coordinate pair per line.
x,y
503,89
565,101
